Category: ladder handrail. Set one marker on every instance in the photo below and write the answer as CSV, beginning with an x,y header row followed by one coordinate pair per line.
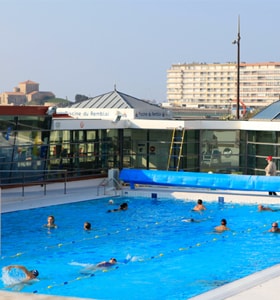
x,y
105,182
170,149
181,148
173,142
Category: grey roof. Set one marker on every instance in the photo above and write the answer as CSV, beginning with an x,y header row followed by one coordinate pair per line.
x,y
271,112
114,99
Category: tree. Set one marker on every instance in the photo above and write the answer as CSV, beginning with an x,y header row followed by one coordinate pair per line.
x,y
80,98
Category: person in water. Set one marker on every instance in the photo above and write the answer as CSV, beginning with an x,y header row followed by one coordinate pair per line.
x,y
265,208
123,206
51,223
87,226
29,275
102,265
274,228
199,206
222,227
106,264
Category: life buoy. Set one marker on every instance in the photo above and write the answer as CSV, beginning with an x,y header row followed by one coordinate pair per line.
x,y
152,149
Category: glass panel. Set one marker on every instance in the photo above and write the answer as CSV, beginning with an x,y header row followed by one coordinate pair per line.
x,y
159,147
220,151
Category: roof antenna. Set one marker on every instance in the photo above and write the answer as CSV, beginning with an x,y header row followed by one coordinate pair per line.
x,y
115,87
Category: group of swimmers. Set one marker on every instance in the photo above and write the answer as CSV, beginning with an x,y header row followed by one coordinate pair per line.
x,y
87,225
200,207
223,226
274,226
33,274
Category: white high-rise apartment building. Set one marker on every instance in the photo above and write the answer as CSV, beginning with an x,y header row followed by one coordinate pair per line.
x,y
215,85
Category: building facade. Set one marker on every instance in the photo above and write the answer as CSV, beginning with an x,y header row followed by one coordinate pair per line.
x,y
215,85
36,145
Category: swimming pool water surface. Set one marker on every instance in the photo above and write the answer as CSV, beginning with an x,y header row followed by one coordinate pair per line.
x,y
159,254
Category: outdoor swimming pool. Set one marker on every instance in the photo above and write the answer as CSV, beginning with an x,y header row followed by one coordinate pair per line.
x,y
159,255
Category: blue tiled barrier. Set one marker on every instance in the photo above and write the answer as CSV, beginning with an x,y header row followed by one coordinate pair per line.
x,y
201,180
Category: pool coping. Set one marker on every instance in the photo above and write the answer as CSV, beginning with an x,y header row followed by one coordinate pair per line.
x,y
257,286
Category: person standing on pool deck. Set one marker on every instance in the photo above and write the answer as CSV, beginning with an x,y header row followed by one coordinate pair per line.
x,y
199,206
222,227
270,170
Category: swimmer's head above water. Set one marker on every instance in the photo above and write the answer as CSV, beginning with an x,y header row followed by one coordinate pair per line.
x,y
35,273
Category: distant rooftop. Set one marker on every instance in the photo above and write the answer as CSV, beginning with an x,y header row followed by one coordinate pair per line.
x,y
271,112
114,99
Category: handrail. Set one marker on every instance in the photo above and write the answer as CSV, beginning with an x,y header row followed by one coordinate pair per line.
x,y
21,179
104,183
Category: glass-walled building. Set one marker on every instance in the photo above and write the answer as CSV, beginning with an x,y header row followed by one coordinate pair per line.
x,y
37,146
25,136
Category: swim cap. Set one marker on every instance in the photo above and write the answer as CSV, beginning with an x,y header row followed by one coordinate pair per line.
x,y
35,273
269,157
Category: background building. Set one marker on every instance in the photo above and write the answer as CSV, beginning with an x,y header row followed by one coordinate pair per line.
x,y
215,85
25,92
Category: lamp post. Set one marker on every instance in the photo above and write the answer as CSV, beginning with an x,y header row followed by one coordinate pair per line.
x,y
237,41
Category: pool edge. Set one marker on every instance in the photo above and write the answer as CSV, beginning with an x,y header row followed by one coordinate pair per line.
x,y
242,288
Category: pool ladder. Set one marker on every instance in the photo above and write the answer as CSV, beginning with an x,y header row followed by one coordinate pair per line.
x,y
112,185
175,151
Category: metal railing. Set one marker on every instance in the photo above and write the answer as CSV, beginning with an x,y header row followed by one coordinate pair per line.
x,y
24,178
116,185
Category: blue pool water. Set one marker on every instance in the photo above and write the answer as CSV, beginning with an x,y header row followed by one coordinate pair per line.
x,y
159,255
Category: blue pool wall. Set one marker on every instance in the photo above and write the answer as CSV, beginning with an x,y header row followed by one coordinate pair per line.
x,y
201,180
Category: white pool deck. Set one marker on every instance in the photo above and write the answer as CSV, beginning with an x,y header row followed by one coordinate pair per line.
x,y
261,285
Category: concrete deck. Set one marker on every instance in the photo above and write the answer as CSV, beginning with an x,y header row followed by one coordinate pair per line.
x,y
259,286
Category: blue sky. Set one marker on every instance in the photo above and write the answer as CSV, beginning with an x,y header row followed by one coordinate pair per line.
x,y
87,46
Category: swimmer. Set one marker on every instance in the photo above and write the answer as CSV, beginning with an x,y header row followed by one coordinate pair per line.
x,y
106,264
101,265
199,206
50,223
29,275
263,208
123,206
274,228
111,201
222,227
191,220
87,226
